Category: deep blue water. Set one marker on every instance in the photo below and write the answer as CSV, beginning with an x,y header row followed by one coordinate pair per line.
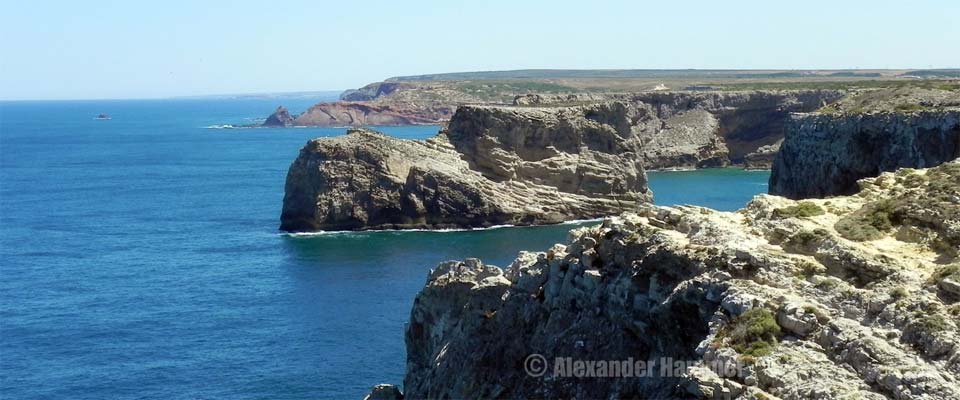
x,y
140,257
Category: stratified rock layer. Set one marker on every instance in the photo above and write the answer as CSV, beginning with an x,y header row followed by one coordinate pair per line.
x,y
824,154
350,113
773,289
707,129
492,166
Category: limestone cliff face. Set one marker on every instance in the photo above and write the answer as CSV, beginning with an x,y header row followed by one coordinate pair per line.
x,y
492,166
824,154
790,296
707,129
347,113
677,129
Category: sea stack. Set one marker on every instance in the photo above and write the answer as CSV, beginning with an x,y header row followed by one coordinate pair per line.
x,y
280,118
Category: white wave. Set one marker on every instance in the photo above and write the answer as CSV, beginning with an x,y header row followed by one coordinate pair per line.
x,y
489,228
225,126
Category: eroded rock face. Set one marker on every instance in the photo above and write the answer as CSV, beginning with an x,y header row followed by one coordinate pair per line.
x,y
349,113
775,289
373,91
492,166
677,129
281,117
824,154
706,129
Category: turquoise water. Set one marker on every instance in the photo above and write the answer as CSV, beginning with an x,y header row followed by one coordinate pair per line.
x,y
724,189
140,257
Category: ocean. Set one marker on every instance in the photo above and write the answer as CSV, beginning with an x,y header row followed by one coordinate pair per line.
x,y
141,257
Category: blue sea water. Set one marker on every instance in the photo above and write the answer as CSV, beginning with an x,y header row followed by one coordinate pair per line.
x,y
140,257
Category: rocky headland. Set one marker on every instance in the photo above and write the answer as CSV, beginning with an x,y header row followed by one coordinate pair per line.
x,y
825,153
490,166
847,297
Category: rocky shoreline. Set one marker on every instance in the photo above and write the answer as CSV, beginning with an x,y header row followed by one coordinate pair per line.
x,y
852,296
785,290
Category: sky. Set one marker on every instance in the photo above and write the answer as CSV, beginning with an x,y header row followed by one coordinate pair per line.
x,y
130,49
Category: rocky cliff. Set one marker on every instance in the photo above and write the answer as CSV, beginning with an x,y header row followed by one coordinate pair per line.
x,y
851,297
348,113
491,166
824,154
677,129
707,129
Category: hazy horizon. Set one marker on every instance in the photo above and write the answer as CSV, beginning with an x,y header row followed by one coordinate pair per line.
x,y
63,50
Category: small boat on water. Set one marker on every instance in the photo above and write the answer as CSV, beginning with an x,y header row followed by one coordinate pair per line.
x,y
102,116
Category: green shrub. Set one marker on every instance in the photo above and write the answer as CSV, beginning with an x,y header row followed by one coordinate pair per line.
x,y
808,239
870,222
753,333
930,323
804,209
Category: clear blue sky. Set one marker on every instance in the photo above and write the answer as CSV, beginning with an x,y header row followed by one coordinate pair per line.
x,y
127,49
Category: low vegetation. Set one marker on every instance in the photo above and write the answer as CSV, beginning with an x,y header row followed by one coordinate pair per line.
x,y
753,333
871,222
941,84
804,209
929,324
806,241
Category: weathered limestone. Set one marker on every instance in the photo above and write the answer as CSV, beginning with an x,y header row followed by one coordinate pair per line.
x,y
775,288
825,154
492,166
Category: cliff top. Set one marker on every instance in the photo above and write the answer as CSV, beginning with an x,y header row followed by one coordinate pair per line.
x,y
898,99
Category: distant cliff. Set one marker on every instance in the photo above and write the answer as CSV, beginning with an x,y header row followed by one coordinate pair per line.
x,y
824,154
345,113
491,166
707,129
677,129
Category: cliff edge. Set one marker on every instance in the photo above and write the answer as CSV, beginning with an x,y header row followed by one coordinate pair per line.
x,y
825,154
